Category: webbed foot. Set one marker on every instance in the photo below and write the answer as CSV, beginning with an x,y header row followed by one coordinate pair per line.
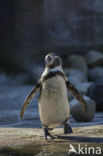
x,y
67,129
46,132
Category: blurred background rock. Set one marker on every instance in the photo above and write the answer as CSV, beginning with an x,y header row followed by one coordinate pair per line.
x,y
29,29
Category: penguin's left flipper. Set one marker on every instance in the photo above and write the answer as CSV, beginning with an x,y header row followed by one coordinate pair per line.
x,y
77,95
67,129
29,98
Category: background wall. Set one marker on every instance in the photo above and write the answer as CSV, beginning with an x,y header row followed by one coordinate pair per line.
x,y
29,29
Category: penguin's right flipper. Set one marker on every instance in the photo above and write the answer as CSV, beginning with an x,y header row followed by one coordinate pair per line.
x,y
29,98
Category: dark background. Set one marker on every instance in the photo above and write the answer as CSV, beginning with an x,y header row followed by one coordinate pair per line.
x,y
31,28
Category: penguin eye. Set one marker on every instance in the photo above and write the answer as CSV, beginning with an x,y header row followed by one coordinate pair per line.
x,y
49,58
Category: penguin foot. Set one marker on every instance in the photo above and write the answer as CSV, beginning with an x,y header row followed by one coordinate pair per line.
x,y
46,132
67,129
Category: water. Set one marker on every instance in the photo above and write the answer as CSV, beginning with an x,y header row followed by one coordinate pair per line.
x,y
11,100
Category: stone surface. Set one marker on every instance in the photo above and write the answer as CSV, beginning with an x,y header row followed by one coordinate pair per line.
x,y
14,80
77,112
35,73
95,73
96,93
83,87
94,58
77,62
76,76
23,141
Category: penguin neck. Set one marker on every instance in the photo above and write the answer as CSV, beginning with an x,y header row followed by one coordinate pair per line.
x,y
55,69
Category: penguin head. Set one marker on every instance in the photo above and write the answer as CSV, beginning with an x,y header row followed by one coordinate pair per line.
x,y
52,60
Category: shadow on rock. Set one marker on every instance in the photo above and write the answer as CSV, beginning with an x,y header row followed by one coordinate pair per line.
x,y
81,139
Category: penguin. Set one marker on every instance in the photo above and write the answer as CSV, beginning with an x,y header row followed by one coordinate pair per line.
x,y
54,109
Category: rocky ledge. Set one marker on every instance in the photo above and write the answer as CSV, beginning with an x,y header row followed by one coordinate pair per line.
x,y
29,141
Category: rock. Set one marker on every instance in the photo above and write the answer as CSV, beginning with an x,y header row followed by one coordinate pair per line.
x,y
94,58
76,76
30,76
95,73
35,73
67,71
95,92
29,141
83,87
13,80
77,62
77,112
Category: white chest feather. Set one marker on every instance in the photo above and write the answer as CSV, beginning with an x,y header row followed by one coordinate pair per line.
x,y
53,102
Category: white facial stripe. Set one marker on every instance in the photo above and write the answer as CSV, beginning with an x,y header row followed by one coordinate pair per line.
x,y
48,70
58,68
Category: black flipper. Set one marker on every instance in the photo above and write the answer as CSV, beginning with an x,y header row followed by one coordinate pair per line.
x,y
77,95
29,98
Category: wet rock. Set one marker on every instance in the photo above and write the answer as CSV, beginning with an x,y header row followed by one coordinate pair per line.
x,y
67,72
29,141
77,112
29,73
83,87
95,73
12,65
94,58
35,73
77,62
76,76
13,79
95,92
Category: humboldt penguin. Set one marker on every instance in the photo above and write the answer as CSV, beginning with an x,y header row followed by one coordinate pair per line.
x,y
53,102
